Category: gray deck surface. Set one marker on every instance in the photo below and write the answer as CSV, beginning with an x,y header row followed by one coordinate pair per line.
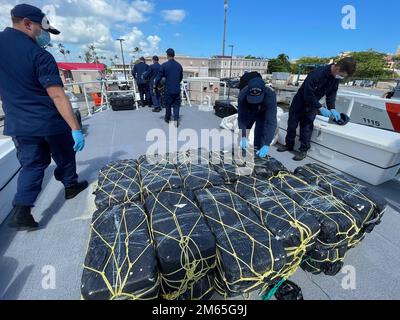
x,y
119,135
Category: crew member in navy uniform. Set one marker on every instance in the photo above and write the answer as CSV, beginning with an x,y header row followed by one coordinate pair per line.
x,y
323,81
257,104
155,94
38,114
139,72
173,73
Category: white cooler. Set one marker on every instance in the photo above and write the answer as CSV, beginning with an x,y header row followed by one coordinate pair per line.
x,y
9,168
369,154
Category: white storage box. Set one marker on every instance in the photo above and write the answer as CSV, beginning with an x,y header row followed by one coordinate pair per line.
x,y
369,154
9,167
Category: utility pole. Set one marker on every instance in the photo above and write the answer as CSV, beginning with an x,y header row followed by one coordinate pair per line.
x,y
123,59
226,14
230,70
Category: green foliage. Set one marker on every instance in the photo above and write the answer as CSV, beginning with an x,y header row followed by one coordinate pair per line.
x,y
280,64
371,65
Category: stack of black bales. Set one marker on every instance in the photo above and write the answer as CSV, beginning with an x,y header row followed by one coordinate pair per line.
x,y
121,261
339,223
369,206
283,217
248,255
184,244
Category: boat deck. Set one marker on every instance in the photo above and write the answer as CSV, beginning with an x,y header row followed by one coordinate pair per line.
x,y
26,258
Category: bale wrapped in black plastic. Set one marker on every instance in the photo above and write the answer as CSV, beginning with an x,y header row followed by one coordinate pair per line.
x,y
120,262
267,167
339,222
197,172
202,289
248,255
224,164
118,183
327,261
185,246
159,177
369,206
288,222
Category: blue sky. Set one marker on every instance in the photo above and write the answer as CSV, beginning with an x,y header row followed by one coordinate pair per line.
x,y
298,28
259,27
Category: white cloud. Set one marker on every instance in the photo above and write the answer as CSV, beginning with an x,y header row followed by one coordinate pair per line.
x,y
97,22
176,15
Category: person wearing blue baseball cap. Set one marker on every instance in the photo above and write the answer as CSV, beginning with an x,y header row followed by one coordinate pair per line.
x,y
257,104
172,71
38,114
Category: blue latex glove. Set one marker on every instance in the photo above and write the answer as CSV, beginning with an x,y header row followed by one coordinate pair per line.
x,y
325,112
263,152
79,139
244,143
335,114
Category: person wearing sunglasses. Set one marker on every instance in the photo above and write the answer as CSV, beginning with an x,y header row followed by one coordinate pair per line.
x,y
257,105
323,81
38,114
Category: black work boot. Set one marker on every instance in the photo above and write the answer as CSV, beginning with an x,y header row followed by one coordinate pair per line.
x,y
167,120
72,192
300,156
22,219
285,148
157,109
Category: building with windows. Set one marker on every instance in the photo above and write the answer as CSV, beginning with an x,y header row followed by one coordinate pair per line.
x,y
219,66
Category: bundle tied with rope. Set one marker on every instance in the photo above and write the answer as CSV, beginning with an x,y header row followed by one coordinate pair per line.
x,y
184,244
283,217
118,182
197,172
340,224
121,261
267,167
159,177
369,206
224,164
248,255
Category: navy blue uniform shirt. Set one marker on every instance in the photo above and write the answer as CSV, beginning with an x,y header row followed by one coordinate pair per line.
x,y
138,71
319,83
266,111
173,73
154,69
26,70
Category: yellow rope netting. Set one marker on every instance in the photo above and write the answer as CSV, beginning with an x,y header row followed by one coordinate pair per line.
x,y
119,182
276,210
184,219
322,205
266,254
340,186
281,221
159,177
127,252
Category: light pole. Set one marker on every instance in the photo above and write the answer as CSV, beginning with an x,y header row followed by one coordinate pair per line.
x,y
123,59
225,17
230,70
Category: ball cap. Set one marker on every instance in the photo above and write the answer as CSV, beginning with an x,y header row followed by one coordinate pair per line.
x,y
34,14
170,52
256,91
